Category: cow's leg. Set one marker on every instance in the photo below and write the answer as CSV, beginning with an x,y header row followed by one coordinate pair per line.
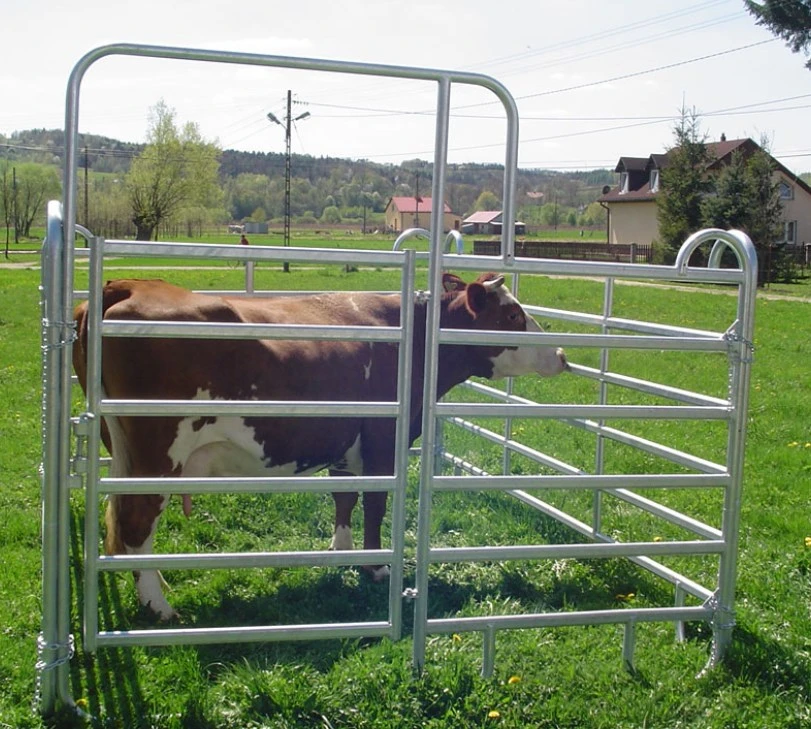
x,y
344,506
374,509
131,522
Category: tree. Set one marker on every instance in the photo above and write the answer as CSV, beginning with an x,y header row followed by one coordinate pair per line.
x,y
176,169
487,201
684,184
729,206
787,19
25,188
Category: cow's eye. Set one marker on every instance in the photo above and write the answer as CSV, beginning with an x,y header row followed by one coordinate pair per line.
x,y
513,316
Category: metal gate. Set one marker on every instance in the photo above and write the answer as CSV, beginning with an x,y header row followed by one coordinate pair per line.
x,y
71,445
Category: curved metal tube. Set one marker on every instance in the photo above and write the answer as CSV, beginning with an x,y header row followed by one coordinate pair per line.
x,y
453,236
410,233
737,240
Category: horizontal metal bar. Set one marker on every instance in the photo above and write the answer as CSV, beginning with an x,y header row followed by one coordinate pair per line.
x,y
671,454
250,634
671,515
240,560
269,484
584,481
220,252
656,568
558,619
573,551
646,386
217,330
603,412
247,408
657,449
613,322
607,341
596,269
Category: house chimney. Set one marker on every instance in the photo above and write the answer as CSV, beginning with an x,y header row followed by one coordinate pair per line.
x,y
723,137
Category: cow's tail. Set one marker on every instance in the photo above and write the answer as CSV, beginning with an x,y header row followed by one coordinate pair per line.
x,y
111,434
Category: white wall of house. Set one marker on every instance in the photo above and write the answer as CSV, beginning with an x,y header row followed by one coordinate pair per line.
x,y
796,211
633,222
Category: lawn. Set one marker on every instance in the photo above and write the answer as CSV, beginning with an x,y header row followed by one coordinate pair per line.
x,y
563,677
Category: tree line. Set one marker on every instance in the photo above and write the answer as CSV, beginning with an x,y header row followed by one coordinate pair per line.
x,y
180,182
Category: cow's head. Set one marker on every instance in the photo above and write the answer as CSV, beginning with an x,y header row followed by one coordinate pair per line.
x,y
491,306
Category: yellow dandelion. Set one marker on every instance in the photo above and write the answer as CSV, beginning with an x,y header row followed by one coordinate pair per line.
x,y
456,638
793,444
493,714
81,703
657,539
514,679
808,541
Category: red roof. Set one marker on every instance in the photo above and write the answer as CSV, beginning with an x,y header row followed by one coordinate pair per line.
x,y
413,204
483,216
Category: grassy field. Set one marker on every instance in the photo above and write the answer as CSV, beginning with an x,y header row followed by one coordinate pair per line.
x,y
564,677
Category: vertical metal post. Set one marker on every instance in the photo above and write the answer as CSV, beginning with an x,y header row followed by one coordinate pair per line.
x,y
488,651
628,645
741,350
91,529
431,371
510,177
51,639
404,371
599,456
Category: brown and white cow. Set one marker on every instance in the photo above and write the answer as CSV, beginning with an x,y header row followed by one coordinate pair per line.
x,y
155,368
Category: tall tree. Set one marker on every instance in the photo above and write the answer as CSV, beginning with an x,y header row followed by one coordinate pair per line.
x,y
177,168
730,204
787,19
26,188
684,183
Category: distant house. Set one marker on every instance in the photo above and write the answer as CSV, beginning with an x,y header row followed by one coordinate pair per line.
x,y
415,212
488,222
632,203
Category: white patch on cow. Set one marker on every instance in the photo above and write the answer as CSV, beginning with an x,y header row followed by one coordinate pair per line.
x,y
225,446
342,539
351,300
545,361
367,370
353,459
149,583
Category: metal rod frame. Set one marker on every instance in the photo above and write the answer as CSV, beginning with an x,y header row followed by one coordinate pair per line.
x,y
59,254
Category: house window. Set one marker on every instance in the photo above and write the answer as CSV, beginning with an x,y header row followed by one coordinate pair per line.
x,y
654,180
790,232
786,191
623,182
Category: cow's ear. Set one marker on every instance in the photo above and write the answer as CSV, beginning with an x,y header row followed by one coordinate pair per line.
x,y
451,282
476,298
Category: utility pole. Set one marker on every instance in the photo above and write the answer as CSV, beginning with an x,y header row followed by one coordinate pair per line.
x,y
288,123
14,200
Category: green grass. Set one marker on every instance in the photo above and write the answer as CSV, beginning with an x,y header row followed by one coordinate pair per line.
x,y
569,677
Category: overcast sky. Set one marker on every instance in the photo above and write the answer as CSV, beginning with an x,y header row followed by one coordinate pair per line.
x,y
594,80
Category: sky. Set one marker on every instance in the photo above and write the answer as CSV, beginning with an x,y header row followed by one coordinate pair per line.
x,y
593,80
